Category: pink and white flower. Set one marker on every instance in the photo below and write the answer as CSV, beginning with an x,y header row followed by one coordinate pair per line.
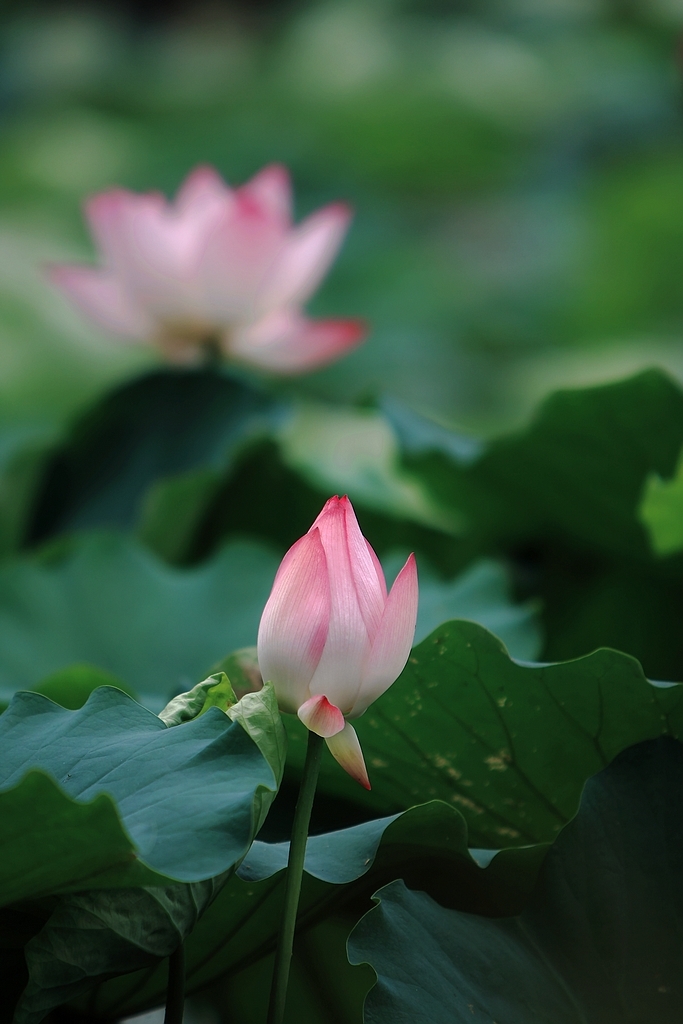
x,y
331,639
218,268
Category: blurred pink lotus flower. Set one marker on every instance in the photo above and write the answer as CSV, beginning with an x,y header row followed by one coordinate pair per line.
x,y
331,639
217,270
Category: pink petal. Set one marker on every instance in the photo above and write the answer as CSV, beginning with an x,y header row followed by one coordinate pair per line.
x,y
201,187
345,749
152,251
100,295
295,622
366,571
321,717
159,250
241,248
339,671
272,191
109,215
379,570
305,258
391,646
287,342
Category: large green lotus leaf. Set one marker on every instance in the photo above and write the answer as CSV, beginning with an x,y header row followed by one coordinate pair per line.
x,y
114,931
632,607
510,744
166,422
578,469
562,499
236,936
600,941
104,600
110,796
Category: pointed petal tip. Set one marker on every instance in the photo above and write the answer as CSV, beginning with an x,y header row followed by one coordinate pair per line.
x,y
407,578
201,180
331,507
346,750
321,716
340,208
269,193
204,172
274,171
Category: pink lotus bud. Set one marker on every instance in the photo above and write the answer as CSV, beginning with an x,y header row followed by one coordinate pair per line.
x,y
217,269
331,639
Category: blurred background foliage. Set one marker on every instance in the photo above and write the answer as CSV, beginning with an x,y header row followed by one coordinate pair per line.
x,y
516,167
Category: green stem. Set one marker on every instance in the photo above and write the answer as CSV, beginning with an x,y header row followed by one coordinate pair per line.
x,y
175,988
295,870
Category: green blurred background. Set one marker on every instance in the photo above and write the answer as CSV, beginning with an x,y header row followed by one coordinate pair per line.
x,y
516,167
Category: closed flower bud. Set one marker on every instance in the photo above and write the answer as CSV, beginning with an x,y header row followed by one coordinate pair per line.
x,y
218,270
331,639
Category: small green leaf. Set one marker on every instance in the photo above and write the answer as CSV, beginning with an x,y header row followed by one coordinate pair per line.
x,y
599,941
257,713
661,511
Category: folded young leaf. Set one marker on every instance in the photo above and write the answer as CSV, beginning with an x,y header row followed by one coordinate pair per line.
x,y
600,941
215,691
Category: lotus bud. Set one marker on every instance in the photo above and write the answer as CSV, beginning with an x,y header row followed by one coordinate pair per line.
x,y
331,639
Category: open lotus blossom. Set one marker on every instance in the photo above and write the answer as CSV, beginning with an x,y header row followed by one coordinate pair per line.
x,y
331,639
217,270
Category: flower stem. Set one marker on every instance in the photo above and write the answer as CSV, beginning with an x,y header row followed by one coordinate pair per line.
x,y
295,870
175,988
